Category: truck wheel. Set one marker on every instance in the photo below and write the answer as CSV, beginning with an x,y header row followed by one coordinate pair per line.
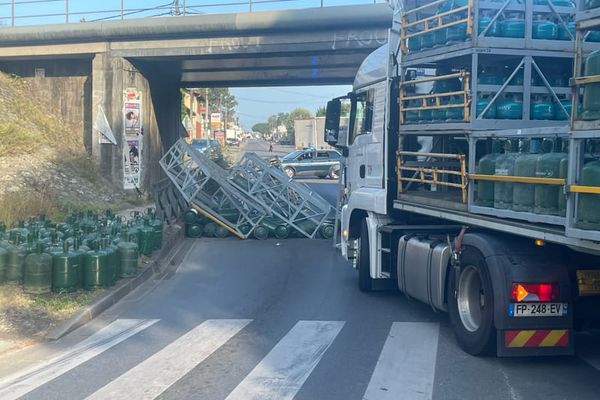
x,y
471,305
365,282
289,171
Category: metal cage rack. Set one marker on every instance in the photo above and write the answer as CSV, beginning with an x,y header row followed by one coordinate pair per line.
x,y
431,184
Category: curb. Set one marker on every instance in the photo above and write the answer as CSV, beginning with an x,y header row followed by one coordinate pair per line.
x,y
121,289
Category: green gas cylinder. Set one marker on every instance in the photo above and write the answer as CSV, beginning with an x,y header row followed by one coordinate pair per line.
x,y
412,117
563,3
509,107
194,230
487,165
559,113
484,21
591,92
190,216
455,113
37,276
327,230
3,262
95,272
513,27
276,227
112,261
456,33
146,239
482,103
490,78
563,171
427,40
15,259
209,229
66,270
80,250
261,232
425,116
544,29
128,255
563,34
548,166
541,108
439,114
588,212
221,232
414,43
589,4
440,36
505,165
157,226
525,164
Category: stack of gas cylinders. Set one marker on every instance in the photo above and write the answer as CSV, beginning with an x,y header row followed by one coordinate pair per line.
x,y
199,225
542,158
86,251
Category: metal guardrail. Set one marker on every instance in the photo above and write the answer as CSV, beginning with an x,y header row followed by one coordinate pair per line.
x,y
14,13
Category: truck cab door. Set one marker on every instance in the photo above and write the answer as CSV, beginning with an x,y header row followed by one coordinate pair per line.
x,y
359,139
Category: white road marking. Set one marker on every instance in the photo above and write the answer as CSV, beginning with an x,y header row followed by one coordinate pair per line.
x,y
154,375
284,370
21,383
406,365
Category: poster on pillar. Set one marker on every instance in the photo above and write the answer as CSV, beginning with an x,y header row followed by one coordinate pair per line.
x,y
131,163
132,138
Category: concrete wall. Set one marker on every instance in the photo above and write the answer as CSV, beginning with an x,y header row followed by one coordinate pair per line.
x,y
65,89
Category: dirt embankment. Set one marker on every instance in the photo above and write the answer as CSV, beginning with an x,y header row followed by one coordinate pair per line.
x,y
43,162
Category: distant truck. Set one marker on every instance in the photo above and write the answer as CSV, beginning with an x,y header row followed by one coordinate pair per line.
x,y
467,189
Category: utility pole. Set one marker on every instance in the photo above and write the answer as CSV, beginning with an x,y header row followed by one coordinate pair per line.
x,y
175,10
207,114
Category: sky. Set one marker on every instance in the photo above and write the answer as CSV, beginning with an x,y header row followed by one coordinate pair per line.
x,y
255,104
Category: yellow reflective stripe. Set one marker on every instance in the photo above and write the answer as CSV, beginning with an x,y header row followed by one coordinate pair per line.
x,y
552,338
521,338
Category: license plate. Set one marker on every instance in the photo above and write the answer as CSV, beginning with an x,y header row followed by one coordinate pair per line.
x,y
538,309
588,282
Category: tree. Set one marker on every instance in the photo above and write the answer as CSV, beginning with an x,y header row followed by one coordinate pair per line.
x,y
261,127
321,111
296,113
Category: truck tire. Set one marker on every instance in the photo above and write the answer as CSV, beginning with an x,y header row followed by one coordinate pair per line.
x,y
471,305
365,282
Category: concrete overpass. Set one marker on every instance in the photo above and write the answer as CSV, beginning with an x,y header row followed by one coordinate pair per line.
x,y
84,68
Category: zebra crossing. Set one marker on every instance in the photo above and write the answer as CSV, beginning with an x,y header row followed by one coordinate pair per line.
x,y
404,370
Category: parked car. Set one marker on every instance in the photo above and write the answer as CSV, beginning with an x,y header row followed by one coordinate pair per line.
x,y
210,147
322,163
233,142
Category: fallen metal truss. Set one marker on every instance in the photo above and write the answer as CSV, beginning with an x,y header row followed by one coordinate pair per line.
x,y
240,198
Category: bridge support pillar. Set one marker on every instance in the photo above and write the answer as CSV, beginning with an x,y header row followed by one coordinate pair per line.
x,y
159,112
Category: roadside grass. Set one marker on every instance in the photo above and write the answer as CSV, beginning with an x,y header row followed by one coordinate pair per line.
x,y
26,125
31,316
15,206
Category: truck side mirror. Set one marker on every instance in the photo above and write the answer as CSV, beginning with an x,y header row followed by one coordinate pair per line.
x,y
332,122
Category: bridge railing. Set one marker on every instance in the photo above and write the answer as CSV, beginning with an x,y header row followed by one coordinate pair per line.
x,y
37,12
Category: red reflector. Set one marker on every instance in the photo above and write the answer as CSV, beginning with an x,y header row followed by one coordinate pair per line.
x,y
535,291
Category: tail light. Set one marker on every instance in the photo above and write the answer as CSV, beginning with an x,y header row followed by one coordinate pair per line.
x,y
535,291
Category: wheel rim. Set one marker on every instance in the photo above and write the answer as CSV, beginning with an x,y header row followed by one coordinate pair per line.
x,y
289,172
334,174
470,298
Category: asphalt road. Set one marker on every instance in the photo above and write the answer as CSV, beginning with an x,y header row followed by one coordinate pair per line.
x,y
279,320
